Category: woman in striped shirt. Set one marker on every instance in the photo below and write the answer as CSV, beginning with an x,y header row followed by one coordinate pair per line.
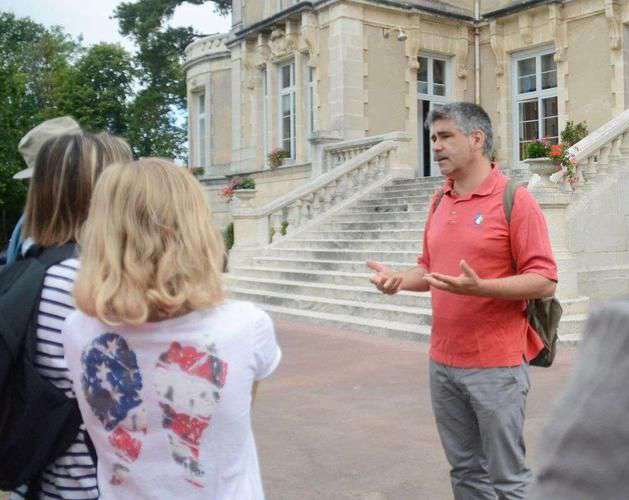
x,y
59,194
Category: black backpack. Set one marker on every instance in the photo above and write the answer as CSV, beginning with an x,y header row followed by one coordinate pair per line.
x,y
37,421
542,314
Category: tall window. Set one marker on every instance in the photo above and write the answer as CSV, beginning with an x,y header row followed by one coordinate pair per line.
x,y
265,113
202,143
431,77
311,99
535,99
287,107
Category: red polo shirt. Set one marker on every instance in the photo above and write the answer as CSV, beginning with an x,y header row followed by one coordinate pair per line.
x,y
483,332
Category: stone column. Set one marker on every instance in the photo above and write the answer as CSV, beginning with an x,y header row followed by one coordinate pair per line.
x,y
554,205
346,71
301,129
237,95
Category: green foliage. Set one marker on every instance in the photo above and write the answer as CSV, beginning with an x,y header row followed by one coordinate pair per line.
x,y
246,183
98,89
34,63
574,133
537,149
228,236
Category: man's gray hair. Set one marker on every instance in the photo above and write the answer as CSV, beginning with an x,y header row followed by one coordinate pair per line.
x,y
468,117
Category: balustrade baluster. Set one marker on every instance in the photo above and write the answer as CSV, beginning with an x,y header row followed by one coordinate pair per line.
x,y
276,224
294,217
603,159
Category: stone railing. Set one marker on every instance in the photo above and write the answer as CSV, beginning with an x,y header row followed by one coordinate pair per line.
x,y
206,47
338,153
596,155
257,227
602,150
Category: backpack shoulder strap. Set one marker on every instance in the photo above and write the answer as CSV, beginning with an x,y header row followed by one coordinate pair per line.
x,y
437,199
53,255
508,197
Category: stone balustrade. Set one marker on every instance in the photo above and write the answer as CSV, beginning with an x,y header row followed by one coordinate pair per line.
x,y
206,47
340,152
601,151
256,228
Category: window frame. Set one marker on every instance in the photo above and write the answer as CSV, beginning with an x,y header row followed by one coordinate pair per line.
x,y
539,95
202,140
430,95
291,92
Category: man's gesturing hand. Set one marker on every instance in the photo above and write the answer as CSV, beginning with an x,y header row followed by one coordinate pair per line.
x,y
466,283
385,279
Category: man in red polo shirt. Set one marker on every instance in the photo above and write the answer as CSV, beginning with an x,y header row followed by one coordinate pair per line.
x,y
480,271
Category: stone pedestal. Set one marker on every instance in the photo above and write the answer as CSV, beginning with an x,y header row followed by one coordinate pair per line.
x,y
554,204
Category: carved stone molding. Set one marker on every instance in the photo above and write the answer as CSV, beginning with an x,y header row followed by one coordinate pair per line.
x,y
555,16
308,41
526,30
462,50
262,51
411,49
496,42
614,21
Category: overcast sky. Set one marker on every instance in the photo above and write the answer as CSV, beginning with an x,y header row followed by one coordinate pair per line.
x,y
91,17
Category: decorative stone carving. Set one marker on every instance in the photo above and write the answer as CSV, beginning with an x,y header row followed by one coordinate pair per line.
x,y
262,52
557,28
496,42
613,15
462,49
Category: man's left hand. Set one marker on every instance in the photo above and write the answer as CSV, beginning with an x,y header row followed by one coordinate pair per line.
x,y
466,283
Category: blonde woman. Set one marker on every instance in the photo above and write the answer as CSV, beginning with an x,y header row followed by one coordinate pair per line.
x,y
163,366
65,172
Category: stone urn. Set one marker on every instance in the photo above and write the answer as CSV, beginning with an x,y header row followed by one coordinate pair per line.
x,y
544,168
244,197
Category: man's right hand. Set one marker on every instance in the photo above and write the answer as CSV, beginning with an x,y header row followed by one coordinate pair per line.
x,y
385,279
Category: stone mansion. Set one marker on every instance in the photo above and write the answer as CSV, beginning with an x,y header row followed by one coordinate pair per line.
x,y
344,86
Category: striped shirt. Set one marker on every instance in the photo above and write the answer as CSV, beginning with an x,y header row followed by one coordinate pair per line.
x,y
72,476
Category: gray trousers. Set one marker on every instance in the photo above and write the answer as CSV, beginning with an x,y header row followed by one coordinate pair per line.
x,y
480,419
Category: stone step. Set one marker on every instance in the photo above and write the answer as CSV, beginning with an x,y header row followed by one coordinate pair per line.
x,y
355,244
388,193
420,181
419,216
343,254
371,226
570,330
387,200
312,276
420,187
287,284
371,310
382,208
377,327
343,266
353,234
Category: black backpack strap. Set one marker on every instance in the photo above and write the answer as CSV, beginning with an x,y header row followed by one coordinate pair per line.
x,y
53,255
508,197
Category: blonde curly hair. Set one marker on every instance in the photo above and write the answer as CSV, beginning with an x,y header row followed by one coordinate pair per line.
x,y
148,248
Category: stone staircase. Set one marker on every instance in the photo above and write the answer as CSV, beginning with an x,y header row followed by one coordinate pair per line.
x,y
320,275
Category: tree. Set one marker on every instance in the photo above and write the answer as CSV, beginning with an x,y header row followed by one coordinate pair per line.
x,y
160,57
99,88
34,61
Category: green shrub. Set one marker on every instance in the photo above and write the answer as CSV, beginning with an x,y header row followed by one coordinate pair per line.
x,y
228,236
537,149
574,133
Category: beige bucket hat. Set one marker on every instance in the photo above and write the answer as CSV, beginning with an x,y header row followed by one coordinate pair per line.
x,y
31,143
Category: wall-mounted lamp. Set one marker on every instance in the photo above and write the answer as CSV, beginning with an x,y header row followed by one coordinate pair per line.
x,y
401,34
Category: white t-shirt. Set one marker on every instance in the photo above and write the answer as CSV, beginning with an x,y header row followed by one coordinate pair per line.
x,y
167,404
